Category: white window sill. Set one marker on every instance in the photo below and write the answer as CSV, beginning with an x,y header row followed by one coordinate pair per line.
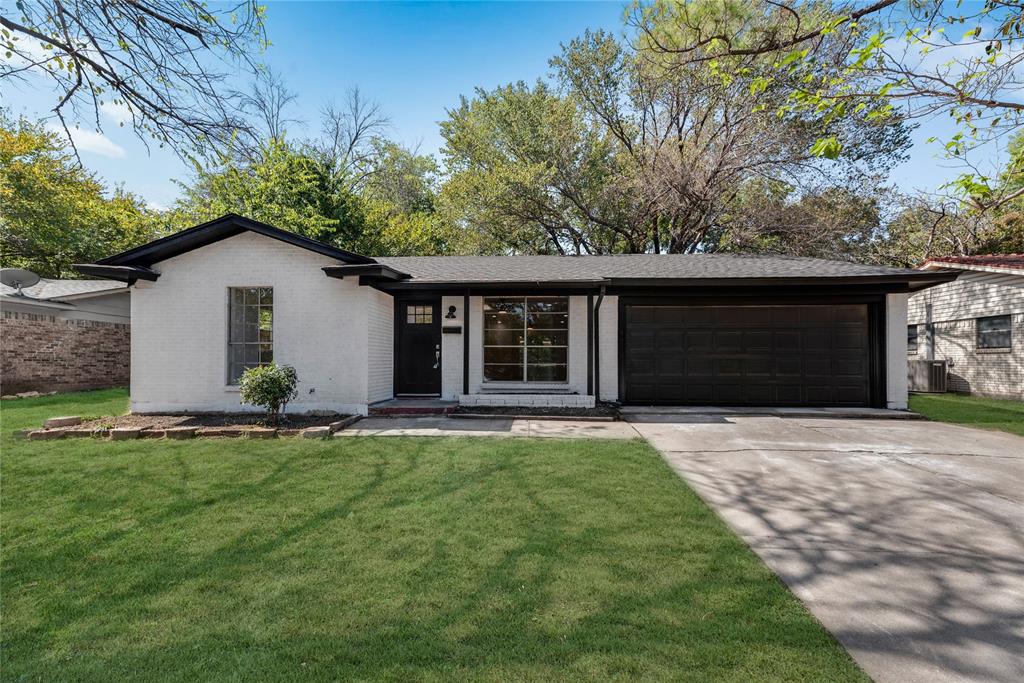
x,y
984,351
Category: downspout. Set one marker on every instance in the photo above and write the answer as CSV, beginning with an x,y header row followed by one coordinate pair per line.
x,y
465,342
597,345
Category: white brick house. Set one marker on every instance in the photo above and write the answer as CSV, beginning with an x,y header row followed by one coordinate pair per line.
x,y
975,324
507,330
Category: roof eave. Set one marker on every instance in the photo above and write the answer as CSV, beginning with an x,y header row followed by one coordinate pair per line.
x,y
218,229
129,274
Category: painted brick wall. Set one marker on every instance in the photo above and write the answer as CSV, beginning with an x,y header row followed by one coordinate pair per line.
x,y
609,341
380,345
42,353
179,328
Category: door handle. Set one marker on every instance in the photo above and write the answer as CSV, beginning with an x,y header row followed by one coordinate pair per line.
x,y
437,358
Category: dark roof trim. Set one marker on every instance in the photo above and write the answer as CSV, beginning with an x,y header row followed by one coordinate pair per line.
x,y
370,271
496,286
914,281
226,226
129,274
905,282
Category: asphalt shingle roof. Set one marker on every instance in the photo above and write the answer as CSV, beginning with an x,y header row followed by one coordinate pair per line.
x,y
655,266
991,260
58,289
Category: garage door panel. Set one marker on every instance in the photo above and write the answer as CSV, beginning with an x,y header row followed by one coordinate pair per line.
x,y
747,355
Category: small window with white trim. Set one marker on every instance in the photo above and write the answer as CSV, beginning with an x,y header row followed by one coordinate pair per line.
x,y
995,332
911,338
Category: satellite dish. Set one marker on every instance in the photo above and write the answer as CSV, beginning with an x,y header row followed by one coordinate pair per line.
x,y
18,278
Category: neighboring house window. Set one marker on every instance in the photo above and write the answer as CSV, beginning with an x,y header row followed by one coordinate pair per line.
x,y
911,338
250,330
526,339
994,332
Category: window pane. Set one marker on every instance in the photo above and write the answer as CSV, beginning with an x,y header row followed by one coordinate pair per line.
x,y
547,305
503,321
238,354
503,354
548,321
546,373
237,297
235,372
252,296
503,338
419,315
266,335
503,373
994,332
514,306
266,296
266,318
541,354
252,353
547,338
266,353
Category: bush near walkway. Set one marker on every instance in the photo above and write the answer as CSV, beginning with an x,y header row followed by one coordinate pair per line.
x,y
377,558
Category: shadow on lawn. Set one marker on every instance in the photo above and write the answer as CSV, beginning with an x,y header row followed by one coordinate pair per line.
x,y
505,613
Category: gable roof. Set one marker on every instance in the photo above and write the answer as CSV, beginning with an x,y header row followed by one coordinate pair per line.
x,y
56,290
228,225
633,268
1002,263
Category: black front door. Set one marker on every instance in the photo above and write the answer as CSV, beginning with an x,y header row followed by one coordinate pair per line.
x,y
418,347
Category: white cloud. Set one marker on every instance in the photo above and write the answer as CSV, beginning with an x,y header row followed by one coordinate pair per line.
x,y
92,141
118,113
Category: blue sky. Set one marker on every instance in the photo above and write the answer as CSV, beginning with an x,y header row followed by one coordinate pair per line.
x,y
415,59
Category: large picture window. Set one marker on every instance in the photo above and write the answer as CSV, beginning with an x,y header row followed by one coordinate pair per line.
x,y
526,339
250,329
995,332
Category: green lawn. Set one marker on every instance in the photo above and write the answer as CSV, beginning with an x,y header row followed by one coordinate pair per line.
x,y
988,413
382,559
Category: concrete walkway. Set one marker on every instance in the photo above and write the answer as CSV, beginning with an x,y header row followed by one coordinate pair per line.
x,y
499,426
904,538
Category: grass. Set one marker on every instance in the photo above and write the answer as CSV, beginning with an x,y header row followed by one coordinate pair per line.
x,y
377,559
973,411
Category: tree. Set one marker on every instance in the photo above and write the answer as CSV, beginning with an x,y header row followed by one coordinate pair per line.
x,y
54,213
388,209
924,57
636,152
162,63
282,184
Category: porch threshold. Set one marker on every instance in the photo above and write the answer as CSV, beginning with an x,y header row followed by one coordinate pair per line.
x,y
412,406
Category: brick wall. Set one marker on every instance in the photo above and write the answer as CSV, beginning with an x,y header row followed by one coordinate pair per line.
x,y
43,353
985,372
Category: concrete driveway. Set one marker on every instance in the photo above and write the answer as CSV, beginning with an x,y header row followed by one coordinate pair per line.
x,y
904,538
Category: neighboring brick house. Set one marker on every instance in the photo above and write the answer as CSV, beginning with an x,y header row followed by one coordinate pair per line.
x,y
65,335
975,324
642,329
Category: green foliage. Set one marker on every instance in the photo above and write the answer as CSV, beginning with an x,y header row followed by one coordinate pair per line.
x,y
271,386
386,210
54,213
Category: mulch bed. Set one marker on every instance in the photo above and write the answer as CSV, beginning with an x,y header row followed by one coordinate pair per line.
x,y
227,420
539,411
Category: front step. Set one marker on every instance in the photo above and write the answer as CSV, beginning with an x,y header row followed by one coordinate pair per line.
x,y
398,407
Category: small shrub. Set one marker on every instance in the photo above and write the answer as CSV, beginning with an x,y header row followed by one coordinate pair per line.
x,y
271,386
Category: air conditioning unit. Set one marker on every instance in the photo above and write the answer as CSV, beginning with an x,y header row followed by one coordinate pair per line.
x,y
927,376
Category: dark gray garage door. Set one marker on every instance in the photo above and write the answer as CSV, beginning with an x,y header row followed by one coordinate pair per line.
x,y
747,355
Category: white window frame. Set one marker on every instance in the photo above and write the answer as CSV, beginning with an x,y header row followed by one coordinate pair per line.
x,y
229,344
